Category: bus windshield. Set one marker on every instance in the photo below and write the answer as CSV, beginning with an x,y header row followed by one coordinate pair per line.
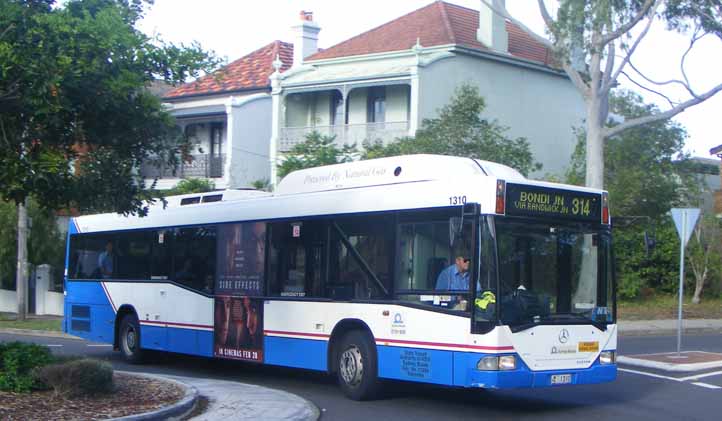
x,y
554,274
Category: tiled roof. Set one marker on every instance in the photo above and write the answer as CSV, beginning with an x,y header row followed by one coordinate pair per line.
x,y
439,23
248,72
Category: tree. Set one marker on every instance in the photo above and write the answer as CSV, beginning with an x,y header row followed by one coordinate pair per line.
x,y
460,130
645,168
76,115
594,41
705,253
191,185
45,244
316,150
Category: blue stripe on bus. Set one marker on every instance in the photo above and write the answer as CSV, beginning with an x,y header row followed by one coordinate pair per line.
x,y
292,352
187,341
415,364
459,369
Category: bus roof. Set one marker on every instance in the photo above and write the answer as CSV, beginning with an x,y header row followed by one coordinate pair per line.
x,y
384,184
391,170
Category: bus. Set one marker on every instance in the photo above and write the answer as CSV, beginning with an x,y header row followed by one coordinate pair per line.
x,y
444,270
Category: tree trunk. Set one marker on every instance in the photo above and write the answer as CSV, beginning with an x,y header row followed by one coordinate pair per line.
x,y
697,291
21,278
699,279
595,145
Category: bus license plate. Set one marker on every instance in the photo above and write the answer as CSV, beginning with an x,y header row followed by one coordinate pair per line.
x,y
561,378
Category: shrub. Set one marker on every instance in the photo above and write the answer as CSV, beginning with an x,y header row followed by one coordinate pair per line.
x,y
17,362
77,377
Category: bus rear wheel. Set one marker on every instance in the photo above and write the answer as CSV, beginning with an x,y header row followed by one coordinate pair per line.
x,y
357,366
130,339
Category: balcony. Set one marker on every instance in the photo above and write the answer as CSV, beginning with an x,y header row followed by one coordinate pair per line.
x,y
346,134
200,166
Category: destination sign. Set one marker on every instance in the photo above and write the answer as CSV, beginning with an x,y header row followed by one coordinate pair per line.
x,y
524,200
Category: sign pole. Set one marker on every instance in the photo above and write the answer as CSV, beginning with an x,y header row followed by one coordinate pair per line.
x,y
681,282
684,229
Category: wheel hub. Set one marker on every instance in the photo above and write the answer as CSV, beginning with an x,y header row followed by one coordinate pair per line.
x,y
130,339
351,366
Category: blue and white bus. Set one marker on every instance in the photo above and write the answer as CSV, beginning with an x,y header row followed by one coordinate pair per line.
x,y
421,268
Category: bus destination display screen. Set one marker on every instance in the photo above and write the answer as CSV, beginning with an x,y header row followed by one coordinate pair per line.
x,y
536,201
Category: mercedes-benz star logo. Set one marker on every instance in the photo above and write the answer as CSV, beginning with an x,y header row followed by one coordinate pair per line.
x,y
563,336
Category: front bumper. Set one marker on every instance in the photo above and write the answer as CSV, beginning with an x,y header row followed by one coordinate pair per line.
x,y
523,377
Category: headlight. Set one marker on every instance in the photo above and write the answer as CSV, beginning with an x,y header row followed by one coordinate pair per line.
x,y
488,364
606,357
507,362
504,362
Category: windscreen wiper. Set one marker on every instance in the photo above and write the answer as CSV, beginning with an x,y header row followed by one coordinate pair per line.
x,y
561,317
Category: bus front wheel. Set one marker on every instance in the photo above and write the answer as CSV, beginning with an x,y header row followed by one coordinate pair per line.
x,y
130,339
357,366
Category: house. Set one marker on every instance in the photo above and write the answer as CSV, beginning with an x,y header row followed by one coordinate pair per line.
x,y
717,150
227,117
381,84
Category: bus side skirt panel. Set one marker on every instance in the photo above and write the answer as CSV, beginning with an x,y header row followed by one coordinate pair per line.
x,y
293,352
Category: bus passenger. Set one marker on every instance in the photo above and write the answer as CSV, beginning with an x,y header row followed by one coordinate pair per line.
x,y
105,261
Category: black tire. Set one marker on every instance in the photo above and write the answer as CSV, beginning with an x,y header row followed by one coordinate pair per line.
x,y
357,366
129,339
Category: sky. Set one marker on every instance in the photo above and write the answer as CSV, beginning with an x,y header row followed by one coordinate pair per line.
x,y
233,28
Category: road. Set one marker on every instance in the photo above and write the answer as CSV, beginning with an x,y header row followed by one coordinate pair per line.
x,y
638,394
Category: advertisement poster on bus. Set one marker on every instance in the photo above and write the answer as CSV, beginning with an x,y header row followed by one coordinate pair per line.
x,y
241,259
238,328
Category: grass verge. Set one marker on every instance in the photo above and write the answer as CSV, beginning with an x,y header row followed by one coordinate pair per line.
x,y
8,321
665,307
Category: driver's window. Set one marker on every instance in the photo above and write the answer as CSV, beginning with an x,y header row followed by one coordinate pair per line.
x,y
434,262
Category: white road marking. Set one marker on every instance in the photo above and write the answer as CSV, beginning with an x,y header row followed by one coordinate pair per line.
x,y
644,373
708,386
99,345
680,379
699,376
53,345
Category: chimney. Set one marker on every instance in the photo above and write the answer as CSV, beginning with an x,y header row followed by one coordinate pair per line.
x,y
492,27
305,39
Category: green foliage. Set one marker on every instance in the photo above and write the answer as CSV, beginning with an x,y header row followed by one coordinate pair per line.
x,y
18,361
191,185
645,168
577,20
682,14
75,378
74,82
460,130
639,268
264,185
8,244
317,150
45,244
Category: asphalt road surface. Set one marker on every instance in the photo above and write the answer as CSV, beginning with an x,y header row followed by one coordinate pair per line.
x,y
638,394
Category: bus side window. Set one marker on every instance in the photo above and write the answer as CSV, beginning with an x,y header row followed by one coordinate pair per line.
x,y
361,249
296,258
194,257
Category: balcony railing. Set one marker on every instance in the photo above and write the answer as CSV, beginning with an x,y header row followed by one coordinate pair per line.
x,y
346,134
201,166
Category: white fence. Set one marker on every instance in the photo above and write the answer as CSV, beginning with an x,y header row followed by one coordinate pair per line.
x,y
46,302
